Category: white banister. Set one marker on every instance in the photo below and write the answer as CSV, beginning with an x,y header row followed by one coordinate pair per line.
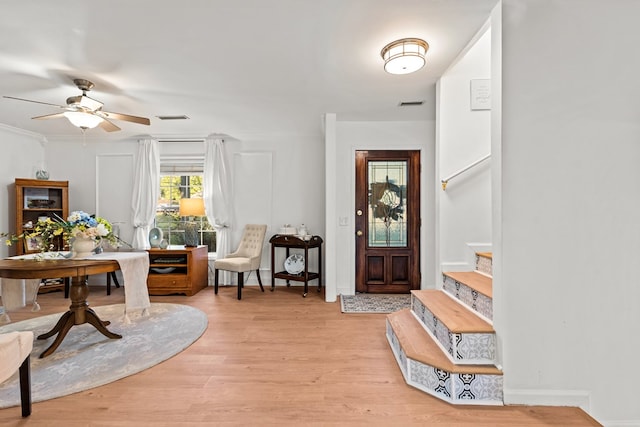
x,y
446,180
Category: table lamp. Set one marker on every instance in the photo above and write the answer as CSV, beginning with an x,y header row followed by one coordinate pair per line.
x,y
190,208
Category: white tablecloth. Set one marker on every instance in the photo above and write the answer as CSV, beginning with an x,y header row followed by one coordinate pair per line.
x,y
134,267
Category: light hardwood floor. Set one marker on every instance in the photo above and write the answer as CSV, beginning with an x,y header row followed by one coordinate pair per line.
x,y
270,359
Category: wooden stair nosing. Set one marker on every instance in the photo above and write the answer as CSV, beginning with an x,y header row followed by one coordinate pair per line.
x,y
418,345
473,279
452,314
485,255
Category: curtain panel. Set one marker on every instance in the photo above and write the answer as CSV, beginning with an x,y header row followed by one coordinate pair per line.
x,y
217,198
146,189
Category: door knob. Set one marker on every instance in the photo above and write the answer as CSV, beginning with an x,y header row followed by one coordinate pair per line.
x,y
359,233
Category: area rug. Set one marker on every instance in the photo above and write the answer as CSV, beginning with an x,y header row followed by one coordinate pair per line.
x,y
374,303
86,359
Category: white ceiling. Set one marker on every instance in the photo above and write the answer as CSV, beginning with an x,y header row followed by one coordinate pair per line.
x,y
241,67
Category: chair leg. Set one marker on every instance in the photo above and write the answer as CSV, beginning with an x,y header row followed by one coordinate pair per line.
x,y
240,284
67,283
108,283
259,280
215,281
115,278
25,386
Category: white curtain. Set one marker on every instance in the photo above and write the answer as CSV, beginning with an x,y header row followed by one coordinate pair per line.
x,y
217,198
146,189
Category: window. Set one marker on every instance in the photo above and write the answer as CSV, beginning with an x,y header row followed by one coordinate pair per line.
x,y
173,187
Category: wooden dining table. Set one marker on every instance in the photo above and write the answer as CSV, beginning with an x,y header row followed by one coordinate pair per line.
x,y
79,311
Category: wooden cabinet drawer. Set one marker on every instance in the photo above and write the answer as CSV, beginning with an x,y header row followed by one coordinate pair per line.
x,y
167,281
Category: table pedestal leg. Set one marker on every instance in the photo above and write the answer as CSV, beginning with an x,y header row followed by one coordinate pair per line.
x,y
78,314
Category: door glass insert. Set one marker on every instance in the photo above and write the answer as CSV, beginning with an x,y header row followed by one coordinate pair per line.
x,y
387,203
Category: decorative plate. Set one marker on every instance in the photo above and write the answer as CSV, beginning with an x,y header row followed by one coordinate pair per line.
x,y
294,264
155,237
163,270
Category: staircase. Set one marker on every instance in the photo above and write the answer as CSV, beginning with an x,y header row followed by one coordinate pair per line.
x,y
445,344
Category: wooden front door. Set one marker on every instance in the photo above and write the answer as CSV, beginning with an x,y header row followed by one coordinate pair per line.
x,y
387,221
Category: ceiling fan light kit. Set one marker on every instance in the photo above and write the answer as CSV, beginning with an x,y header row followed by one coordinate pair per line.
x,y
85,112
404,56
83,120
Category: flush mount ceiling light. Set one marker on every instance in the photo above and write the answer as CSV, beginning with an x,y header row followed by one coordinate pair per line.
x,y
83,120
404,56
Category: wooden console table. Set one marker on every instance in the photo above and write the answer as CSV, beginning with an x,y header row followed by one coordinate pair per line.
x,y
188,270
288,242
79,311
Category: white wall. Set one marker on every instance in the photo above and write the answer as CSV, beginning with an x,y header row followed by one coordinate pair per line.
x,y
463,137
22,153
296,182
352,136
571,205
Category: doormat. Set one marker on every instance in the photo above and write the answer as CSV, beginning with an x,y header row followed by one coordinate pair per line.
x,y
374,303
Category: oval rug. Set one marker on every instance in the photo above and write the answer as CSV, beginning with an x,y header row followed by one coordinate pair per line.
x,y
86,359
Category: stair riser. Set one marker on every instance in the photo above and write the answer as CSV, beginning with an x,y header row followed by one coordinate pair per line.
x,y
461,348
479,303
473,389
484,265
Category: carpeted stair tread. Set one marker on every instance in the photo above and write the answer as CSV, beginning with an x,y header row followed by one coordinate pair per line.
x,y
474,280
418,345
485,254
452,314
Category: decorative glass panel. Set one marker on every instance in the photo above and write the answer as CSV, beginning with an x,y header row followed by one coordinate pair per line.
x,y
387,203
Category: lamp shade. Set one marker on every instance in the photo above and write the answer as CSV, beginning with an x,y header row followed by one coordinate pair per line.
x,y
191,207
83,120
404,56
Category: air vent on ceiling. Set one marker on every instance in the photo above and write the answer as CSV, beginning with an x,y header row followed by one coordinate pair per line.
x,y
181,117
410,103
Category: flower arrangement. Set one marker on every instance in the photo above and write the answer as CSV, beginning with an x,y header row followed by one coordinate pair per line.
x,y
81,224
77,225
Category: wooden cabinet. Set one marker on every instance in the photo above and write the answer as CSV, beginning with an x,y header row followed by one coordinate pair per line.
x,y
37,198
177,270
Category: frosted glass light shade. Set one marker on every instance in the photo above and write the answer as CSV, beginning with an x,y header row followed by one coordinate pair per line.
x,y
83,120
404,56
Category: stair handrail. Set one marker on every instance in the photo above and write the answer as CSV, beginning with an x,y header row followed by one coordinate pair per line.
x,y
446,180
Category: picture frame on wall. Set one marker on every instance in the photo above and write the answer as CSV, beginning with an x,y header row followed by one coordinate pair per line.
x,y
481,94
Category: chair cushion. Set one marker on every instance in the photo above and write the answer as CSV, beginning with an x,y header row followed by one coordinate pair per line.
x,y
238,264
14,348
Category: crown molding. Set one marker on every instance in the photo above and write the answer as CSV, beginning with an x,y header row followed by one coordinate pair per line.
x,y
41,138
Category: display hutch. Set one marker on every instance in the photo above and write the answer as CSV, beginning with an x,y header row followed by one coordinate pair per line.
x,y
37,198
177,270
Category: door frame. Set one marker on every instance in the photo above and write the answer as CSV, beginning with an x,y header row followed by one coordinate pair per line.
x,y
386,257
342,139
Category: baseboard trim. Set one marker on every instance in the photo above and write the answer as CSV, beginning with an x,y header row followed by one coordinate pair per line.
x,y
579,398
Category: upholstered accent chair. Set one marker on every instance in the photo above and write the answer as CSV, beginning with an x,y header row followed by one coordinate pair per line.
x,y
15,348
246,258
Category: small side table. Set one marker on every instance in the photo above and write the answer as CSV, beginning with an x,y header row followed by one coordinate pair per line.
x,y
290,241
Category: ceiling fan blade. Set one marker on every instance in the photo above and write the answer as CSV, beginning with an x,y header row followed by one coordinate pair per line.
x,y
37,102
127,118
108,126
49,116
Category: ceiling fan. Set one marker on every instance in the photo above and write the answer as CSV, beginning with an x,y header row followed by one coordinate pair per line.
x,y
85,112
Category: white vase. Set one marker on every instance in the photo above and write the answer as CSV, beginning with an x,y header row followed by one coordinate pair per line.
x,y
83,247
